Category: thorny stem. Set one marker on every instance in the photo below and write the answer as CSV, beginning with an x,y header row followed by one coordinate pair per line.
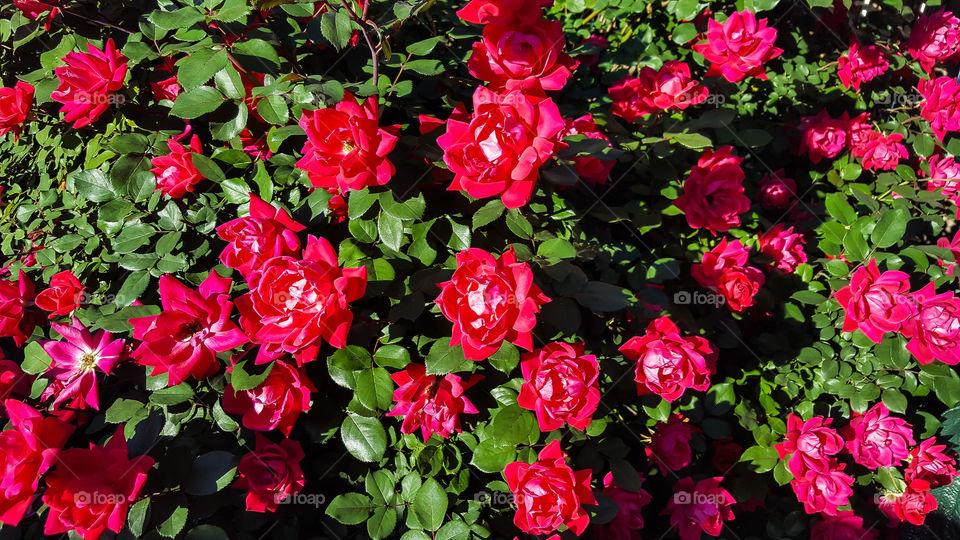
x,y
363,22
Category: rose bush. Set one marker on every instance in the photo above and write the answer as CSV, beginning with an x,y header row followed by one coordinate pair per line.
x,y
479,269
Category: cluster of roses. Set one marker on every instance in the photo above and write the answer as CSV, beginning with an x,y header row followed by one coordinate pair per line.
x,y
824,137
874,439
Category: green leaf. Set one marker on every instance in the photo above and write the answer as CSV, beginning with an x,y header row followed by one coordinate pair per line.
x,y
690,140
838,207
243,379
603,297
173,524
200,66
364,437
137,515
894,400
229,83
488,213
518,224
197,102
426,66
392,356
492,456
92,185
762,458
557,248
443,358
350,508
375,389
35,359
173,395
506,358
391,231
890,228
122,410
344,365
210,473
259,55
274,110
424,47
684,33
175,20
430,505
336,28
207,532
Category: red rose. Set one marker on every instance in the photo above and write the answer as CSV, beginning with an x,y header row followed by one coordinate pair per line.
x,y
270,474
548,493
929,463
346,147
430,403
811,442
90,491
713,193
776,191
821,489
944,175
940,105
670,87
739,46
175,172
859,129
668,363
915,503
498,150
63,296
726,454
275,403
15,107
295,304
784,246
876,303
593,170
934,332
876,439
193,327
883,152
703,506
629,519
860,65
844,526
490,300
34,8
528,56
14,321
13,381
88,83
823,136
26,452
560,385
724,270
266,233
934,38
669,445
503,11
168,87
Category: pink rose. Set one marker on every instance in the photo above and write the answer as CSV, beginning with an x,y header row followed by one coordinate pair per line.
x,y
527,56
700,507
629,519
784,246
811,442
876,303
668,363
954,247
175,173
859,129
346,147
821,489
669,445
823,136
503,11
934,38
15,107
276,403
739,46
944,175
776,191
499,149
593,170
860,65
876,439
266,233
934,332
670,87
88,83
713,193
883,152
560,385
431,403
15,322
843,526
941,104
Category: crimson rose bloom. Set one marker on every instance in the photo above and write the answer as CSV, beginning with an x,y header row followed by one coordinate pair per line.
x,y
776,191
883,152
430,403
26,452
500,148
944,175
703,506
726,454
14,321
669,445
670,87
175,172
934,38
876,303
490,300
266,233
811,442
13,381
90,491
593,170
88,82
297,304
821,489
823,136
629,519
668,363
843,526
928,462
503,11
739,46
528,56
34,8
560,385
940,105
275,403
785,246
346,147
861,65
713,193
270,474
63,296
915,502
876,439
15,107
548,493
168,87
194,325
724,269
859,129
935,331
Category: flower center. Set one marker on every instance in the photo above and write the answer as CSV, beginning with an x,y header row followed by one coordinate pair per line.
x,y
87,362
